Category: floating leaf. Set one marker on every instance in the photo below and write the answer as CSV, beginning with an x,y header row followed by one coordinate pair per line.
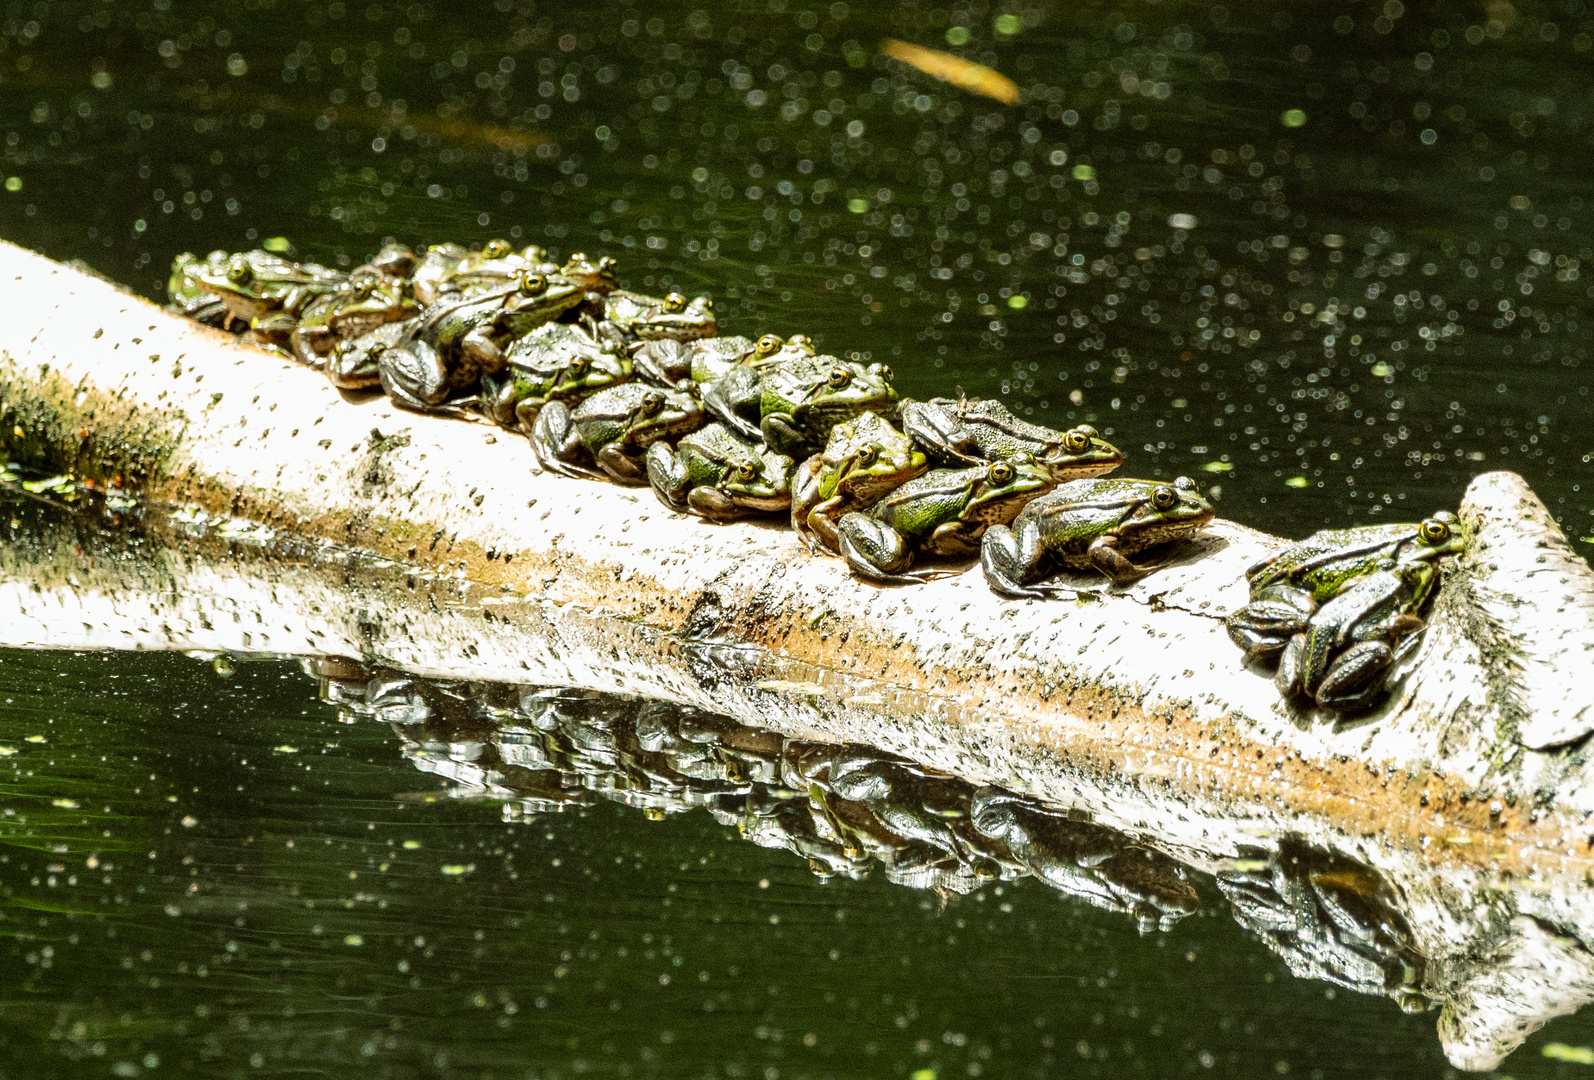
x,y
1183,221
7,751
1217,466
1084,172
456,869
277,244
965,74
1293,118
1381,369
64,804
35,738
1018,302
1577,1055
353,939
286,749
1296,482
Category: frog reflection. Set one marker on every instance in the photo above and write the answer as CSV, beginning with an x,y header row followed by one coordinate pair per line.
x,y
1329,917
843,810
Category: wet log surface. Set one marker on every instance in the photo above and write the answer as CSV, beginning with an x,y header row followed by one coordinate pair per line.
x,y
322,526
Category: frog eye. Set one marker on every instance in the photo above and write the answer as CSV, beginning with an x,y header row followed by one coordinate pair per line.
x,y
361,290
1076,441
767,345
884,371
533,284
868,455
839,377
579,366
1433,531
745,471
239,273
674,302
1002,472
496,249
801,341
652,404
533,253
1164,498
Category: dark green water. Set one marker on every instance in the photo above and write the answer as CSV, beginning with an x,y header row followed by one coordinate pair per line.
x,y
1370,308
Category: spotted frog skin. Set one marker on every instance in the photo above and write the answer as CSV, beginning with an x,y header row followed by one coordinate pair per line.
x,y
944,512
1090,525
555,362
611,431
792,405
255,285
359,307
969,431
451,268
187,297
864,459
1288,586
716,474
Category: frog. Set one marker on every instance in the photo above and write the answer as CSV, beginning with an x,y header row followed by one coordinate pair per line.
x,y
448,268
395,263
865,458
253,285
187,297
943,512
457,339
1340,661
716,474
969,431
611,431
792,405
628,318
363,304
1093,524
1287,586
555,362
687,365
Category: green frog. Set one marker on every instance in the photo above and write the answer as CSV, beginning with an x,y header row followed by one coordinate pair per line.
x,y
792,405
365,303
969,432
716,474
1341,660
686,365
449,268
611,431
395,263
1287,587
864,459
944,512
1090,525
254,285
555,362
458,339
627,318
187,297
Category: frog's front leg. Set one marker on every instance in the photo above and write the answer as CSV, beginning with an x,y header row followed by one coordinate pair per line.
x,y
624,463
779,431
805,499
714,505
1011,557
479,352
310,344
1104,555
665,363
669,476
956,539
557,443
875,551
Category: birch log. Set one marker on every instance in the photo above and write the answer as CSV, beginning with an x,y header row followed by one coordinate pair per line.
x,y
318,524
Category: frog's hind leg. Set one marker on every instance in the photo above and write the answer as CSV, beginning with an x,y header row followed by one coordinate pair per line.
x,y
668,477
556,443
414,377
876,552
1009,556
1355,679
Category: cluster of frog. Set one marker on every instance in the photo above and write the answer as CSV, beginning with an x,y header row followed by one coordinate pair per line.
x,y
614,385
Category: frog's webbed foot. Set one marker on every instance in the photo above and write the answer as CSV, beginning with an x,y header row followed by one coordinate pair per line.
x,y
668,476
557,444
714,505
934,427
720,407
498,400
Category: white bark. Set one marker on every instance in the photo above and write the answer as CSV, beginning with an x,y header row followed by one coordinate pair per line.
x,y
436,546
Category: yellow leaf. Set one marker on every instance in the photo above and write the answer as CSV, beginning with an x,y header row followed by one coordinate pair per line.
x,y
1577,1055
965,74
1217,466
